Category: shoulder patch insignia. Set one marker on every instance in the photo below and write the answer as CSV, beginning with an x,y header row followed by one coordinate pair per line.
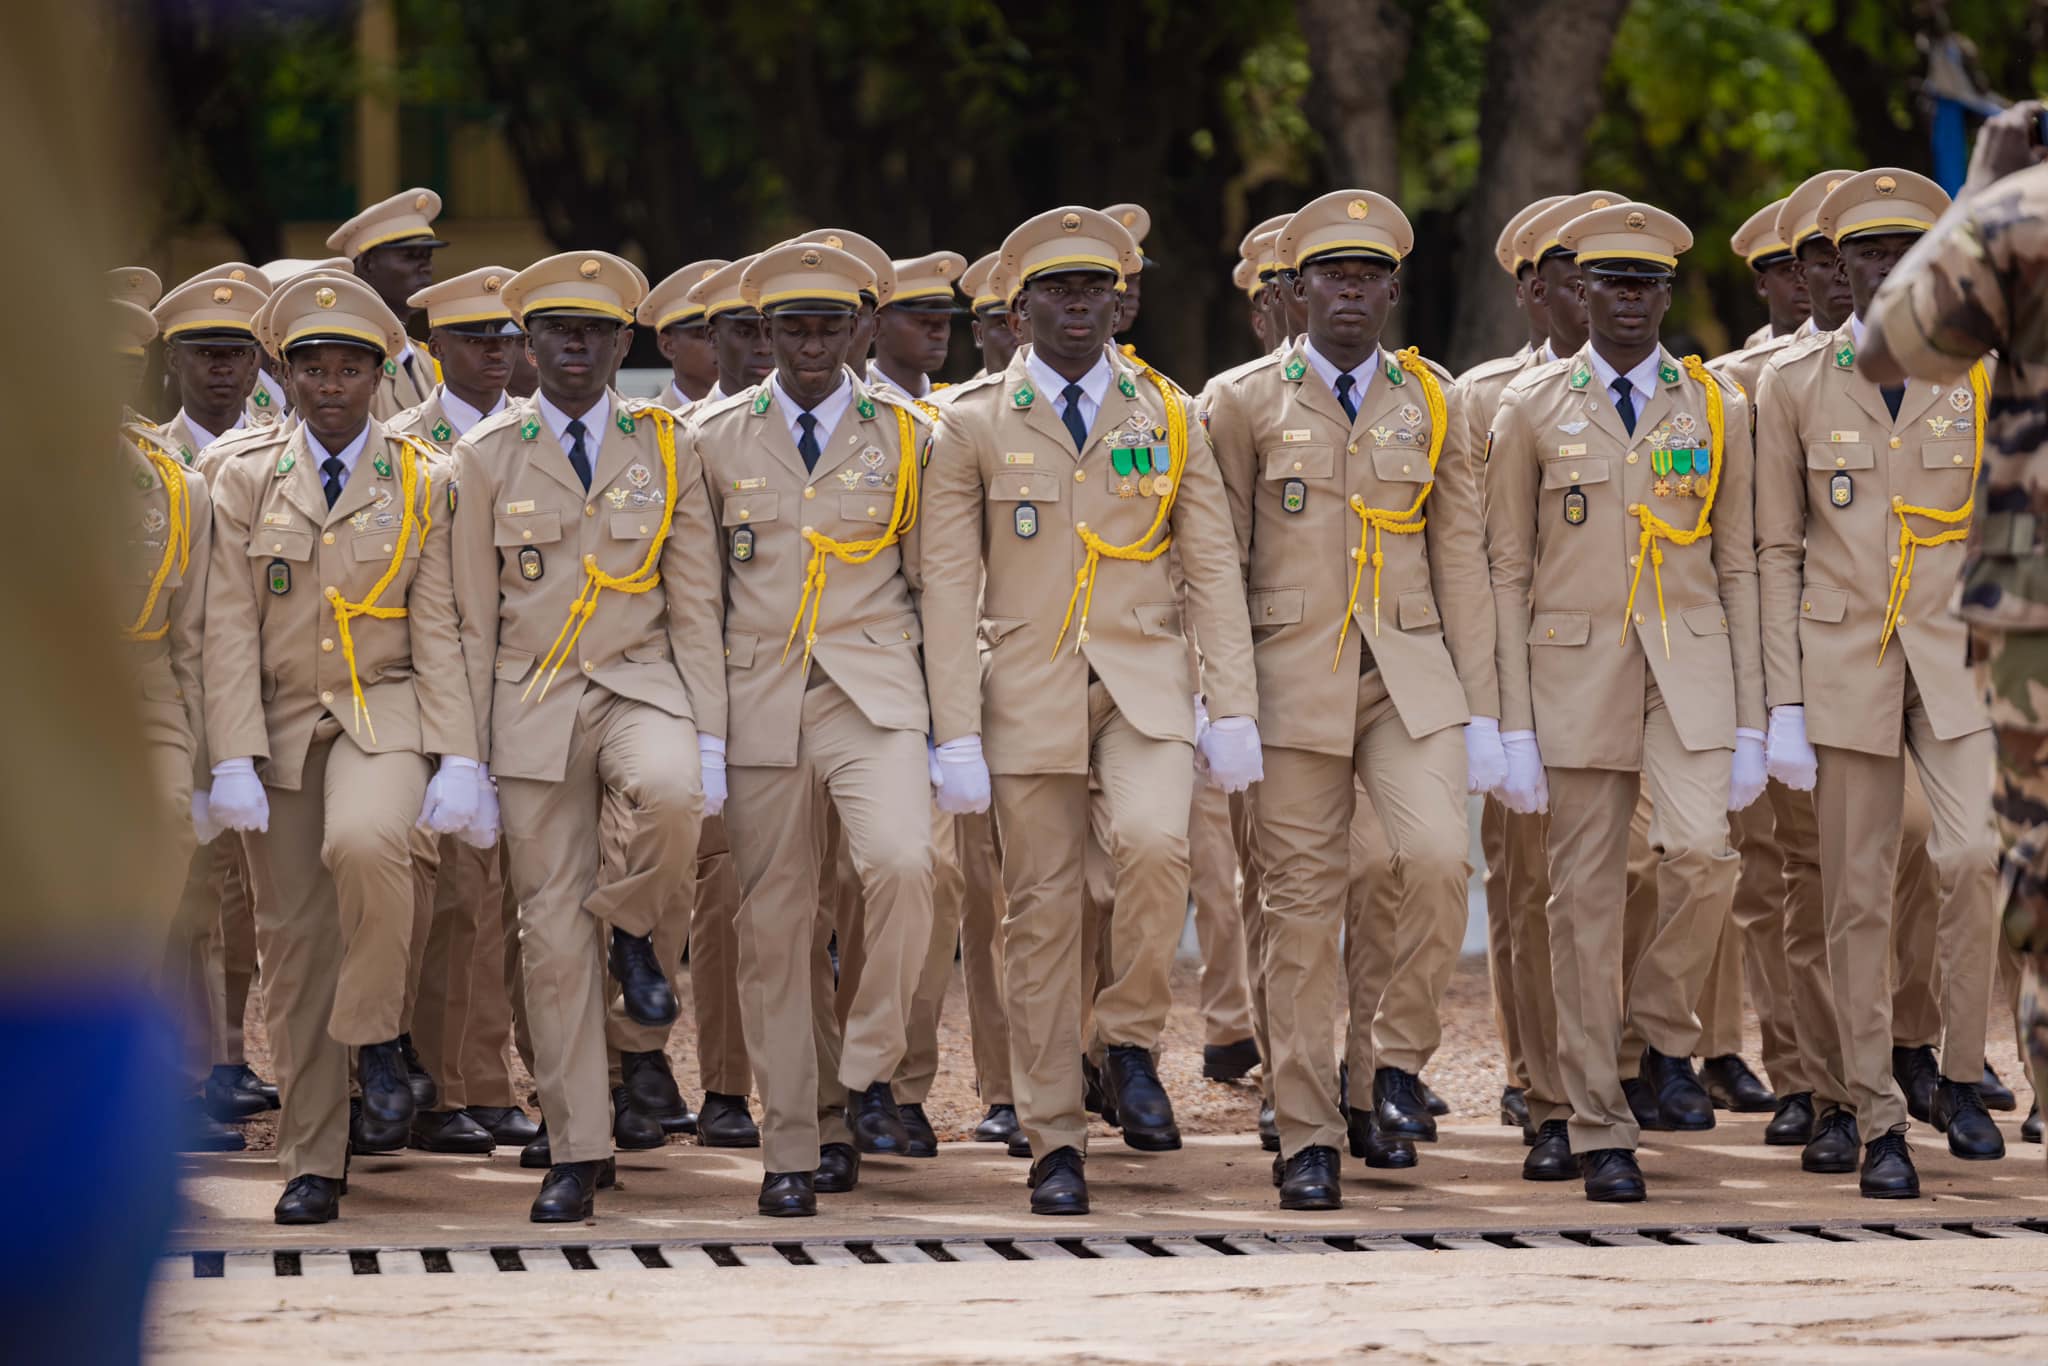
x,y
185,454
1581,377
1846,357
866,407
381,465
1296,368
1023,397
1394,375
262,399
1668,373
1126,387
761,402
285,462
530,430
390,367
626,423
442,431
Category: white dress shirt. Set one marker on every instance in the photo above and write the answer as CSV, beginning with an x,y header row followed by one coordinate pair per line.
x,y
205,437
828,412
594,423
1051,385
1361,373
347,455
1642,380
461,415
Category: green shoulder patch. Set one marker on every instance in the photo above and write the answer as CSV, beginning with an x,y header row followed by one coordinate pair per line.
x,y
1668,373
262,399
1581,377
1126,387
866,406
185,454
285,462
626,423
530,430
1023,397
382,465
761,402
1394,375
1845,359
442,431
390,367
1296,368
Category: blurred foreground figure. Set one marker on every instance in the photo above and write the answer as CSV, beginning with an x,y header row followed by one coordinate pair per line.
x,y
1974,284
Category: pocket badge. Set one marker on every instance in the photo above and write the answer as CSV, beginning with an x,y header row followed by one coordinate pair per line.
x,y
1575,508
1026,521
1840,490
743,544
280,577
1294,495
530,566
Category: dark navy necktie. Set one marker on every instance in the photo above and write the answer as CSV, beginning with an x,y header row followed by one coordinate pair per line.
x,y
579,459
1072,416
332,468
1625,404
807,444
1894,395
1347,382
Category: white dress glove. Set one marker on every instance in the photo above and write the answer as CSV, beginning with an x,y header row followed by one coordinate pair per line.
x,y
711,765
450,807
1746,771
1486,763
483,831
237,800
963,777
203,824
1525,790
1231,746
1787,756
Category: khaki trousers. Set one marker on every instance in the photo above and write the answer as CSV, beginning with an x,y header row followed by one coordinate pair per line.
x,y
624,1034
1041,821
189,939
1638,924
184,930
1525,893
1588,848
1916,906
966,909
333,895
1500,944
462,1024
920,1065
1219,923
603,848
1304,813
1251,908
1858,804
1371,906
715,967
775,818
216,894
1752,948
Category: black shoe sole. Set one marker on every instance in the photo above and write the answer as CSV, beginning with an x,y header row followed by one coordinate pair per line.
x,y
1913,1194
1313,1203
1686,1127
920,1151
704,1142
766,1213
1546,1177
1772,1140
588,1212
297,1220
638,1147
1617,1197
1054,1211
848,1189
980,1137
882,1147
1831,1169
1975,1157
1152,1140
1399,1163
448,1150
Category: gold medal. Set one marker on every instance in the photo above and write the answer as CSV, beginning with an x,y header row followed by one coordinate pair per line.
x,y
1145,486
1662,488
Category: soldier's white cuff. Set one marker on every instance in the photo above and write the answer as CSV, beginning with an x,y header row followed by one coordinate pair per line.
x,y
965,747
1487,723
1745,733
230,766
449,761
1231,724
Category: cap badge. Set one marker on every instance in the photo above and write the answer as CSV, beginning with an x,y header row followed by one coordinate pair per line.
x,y
1129,218
324,297
1071,223
1832,184
491,284
1635,222
422,202
238,275
1357,208
1885,184
589,269
224,294
1601,202
708,273
835,241
811,260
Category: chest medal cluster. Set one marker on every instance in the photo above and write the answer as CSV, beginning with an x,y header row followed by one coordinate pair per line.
x,y
1679,458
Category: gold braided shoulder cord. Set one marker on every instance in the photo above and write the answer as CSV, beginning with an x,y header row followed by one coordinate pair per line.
x,y
1956,519
416,487
595,580
1374,522
824,549
1656,529
177,532
1136,551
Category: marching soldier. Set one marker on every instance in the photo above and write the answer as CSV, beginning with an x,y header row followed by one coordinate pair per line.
x,y
821,634
390,246
993,336
913,334
739,334
1780,282
585,579
1338,431
1588,505
212,358
329,533
683,333
1073,469
1887,676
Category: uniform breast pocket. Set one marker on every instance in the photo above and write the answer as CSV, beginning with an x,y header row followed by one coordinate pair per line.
x,y
1301,461
379,547
1575,472
273,544
634,526
874,509
531,528
745,509
1400,464
1016,486
1275,607
1959,457
1839,455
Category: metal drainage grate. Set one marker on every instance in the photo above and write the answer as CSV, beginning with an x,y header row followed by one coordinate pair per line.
x,y
554,1259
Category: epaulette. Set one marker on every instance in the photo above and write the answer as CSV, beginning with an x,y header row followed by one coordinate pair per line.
x,y
1536,374
703,410
1499,365
1238,372
1443,373
980,384
246,439
1813,345
502,420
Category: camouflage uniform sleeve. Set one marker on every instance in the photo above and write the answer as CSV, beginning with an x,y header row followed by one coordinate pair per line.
x,y
1949,301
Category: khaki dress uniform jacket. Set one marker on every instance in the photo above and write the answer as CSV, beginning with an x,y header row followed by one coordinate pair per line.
x,y
406,382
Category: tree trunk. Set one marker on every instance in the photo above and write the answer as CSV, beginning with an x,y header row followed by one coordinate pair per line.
x,y
1543,65
1357,50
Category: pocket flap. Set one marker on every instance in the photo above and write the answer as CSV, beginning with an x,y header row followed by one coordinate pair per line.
x,y
653,652
1158,618
1948,455
377,547
275,544
1821,603
739,649
900,630
1301,462
994,629
1839,455
635,526
1401,464
749,507
1275,606
512,665
877,506
1706,619
1560,628
532,528
1024,486
1582,469
1418,609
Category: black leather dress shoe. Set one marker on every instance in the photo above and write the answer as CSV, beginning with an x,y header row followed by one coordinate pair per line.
x,y
1398,1106
1612,1176
310,1200
923,1142
426,1093
449,1131
724,1121
1835,1145
228,1099
632,1131
509,1125
1642,1103
536,1155
387,1092
1229,1061
838,1169
1732,1086
1433,1102
1514,1108
1308,1180
1094,1095
1019,1146
1997,1095
652,1087
2030,1127
1057,1185
876,1122
368,1136
1681,1101
642,986
201,1133
1269,1129
1918,1074
787,1195
1888,1169
246,1078
1959,1112
1380,1149
568,1193
1130,1084
1550,1157
997,1125
1793,1124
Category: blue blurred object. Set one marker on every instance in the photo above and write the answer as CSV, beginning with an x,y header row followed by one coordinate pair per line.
x,y
90,1202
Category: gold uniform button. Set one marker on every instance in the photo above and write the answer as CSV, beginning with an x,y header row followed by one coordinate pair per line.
x,y
1269,609
744,514
327,539
805,532
589,510
1350,449
1404,470
810,493
1084,637
1080,476
643,530
1297,467
1575,476
1633,457
871,512
327,647
1895,562
1898,501
1806,607
1895,443
1639,618
327,699
526,535
588,667
387,547
1634,560
1958,458
906,635
1024,490
1841,462
277,547
1550,634
1632,508
1080,526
